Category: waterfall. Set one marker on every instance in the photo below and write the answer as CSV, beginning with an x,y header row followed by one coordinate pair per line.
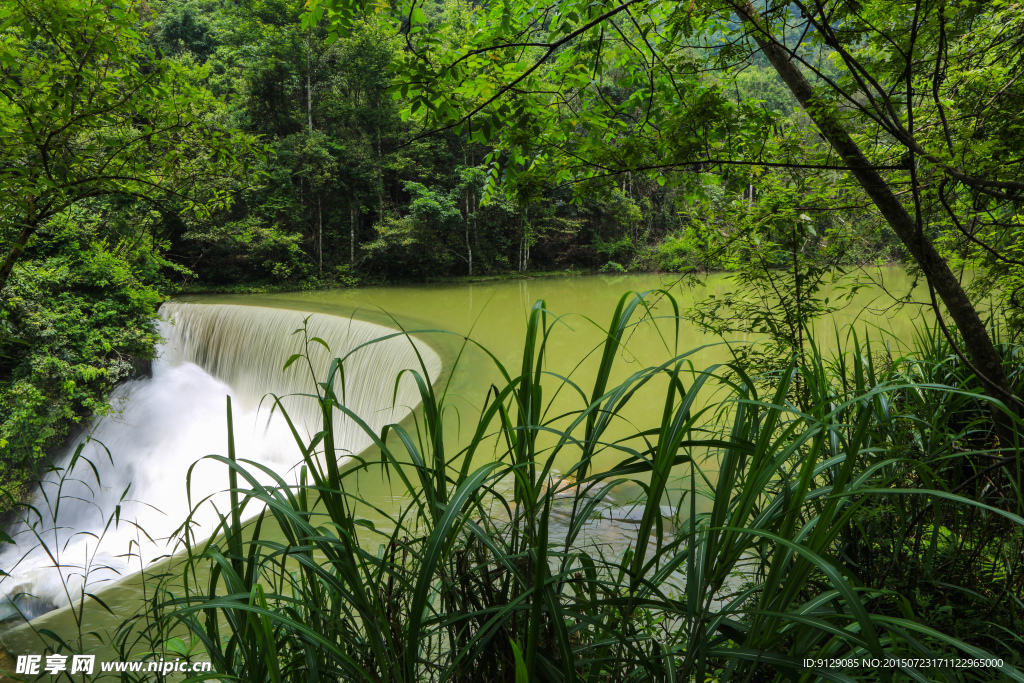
x,y
116,510
246,346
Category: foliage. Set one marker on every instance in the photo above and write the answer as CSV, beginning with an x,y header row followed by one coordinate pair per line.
x,y
76,320
586,94
296,85
776,559
612,267
413,246
87,109
100,139
782,260
951,561
248,250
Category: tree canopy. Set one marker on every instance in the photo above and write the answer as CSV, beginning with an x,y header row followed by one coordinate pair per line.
x,y
917,104
100,135
88,109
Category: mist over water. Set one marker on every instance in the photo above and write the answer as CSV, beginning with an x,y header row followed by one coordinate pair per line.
x,y
116,508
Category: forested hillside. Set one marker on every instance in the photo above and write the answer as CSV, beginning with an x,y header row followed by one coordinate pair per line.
x,y
231,145
357,184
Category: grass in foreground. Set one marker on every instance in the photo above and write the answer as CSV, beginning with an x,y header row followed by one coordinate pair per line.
x,y
868,524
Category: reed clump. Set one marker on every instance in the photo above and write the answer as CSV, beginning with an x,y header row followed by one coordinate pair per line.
x,y
866,523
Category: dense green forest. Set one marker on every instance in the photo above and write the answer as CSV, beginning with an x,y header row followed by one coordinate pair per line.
x,y
293,158
177,146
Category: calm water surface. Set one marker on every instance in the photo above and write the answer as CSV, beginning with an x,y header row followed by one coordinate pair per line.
x,y
494,315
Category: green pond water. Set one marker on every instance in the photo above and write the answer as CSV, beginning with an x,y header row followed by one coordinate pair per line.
x,y
493,315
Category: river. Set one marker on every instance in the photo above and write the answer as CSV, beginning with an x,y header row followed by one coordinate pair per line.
x,y
237,344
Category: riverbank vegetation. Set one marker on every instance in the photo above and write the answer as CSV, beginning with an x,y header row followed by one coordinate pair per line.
x,y
866,505
266,145
840,508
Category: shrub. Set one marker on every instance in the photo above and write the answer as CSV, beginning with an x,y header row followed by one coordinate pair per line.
x,y
74,322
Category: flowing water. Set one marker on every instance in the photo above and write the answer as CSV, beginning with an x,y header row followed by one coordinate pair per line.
x,y
114,508
119,510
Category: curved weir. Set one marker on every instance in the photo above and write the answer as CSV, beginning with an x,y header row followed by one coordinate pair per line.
x,y
115,508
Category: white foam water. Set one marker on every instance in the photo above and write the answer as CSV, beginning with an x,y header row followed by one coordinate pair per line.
x,y
117,509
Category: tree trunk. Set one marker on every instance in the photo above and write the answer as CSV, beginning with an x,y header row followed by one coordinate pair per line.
x,y
526,239
309,83
469,246
320,233
522,239
353,215
936,270
19,243
380,179
14,253
523,249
